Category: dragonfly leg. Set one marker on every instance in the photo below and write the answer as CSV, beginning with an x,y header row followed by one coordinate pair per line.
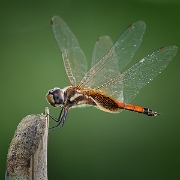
x,y
64,117
60,120
55,118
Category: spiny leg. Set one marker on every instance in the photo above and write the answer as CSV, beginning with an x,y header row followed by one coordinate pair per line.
x,y
64,118
61,119
55,118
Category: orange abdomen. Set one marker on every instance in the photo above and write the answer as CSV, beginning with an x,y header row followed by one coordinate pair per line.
x,y
108,104
138,109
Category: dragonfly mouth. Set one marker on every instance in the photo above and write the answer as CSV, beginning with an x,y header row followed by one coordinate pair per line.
x,y
49,98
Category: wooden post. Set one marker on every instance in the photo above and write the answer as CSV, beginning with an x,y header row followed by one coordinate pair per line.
x,y
27,155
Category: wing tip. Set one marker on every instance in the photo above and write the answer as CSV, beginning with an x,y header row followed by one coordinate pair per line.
x,y
55,19
140,23
170,48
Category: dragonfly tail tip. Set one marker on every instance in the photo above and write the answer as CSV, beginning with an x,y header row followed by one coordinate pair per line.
x,y
156,114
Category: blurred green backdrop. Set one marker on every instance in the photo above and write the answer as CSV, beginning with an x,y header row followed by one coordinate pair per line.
x,y
93,144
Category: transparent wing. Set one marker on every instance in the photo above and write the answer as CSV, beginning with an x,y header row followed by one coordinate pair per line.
x,y
73,57
141,73
132,80
115,60
145,71
101,47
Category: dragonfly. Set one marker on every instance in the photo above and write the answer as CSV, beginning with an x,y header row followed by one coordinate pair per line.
x,y
105,85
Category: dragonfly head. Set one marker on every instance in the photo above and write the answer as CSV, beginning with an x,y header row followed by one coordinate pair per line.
x,y
55,97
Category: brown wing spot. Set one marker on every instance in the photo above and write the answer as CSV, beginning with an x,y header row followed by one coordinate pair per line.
x,y
52,22
162,48
98,39
130,25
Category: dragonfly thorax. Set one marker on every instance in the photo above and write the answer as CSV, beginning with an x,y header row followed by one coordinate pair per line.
x,y
55,97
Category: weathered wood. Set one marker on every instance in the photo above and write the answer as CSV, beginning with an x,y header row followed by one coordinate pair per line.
x,y
27,155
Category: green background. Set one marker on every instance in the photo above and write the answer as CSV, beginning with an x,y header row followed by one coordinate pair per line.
x,y
93,144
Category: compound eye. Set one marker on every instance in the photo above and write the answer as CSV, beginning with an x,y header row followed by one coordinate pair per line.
x,y
55,97
58,96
